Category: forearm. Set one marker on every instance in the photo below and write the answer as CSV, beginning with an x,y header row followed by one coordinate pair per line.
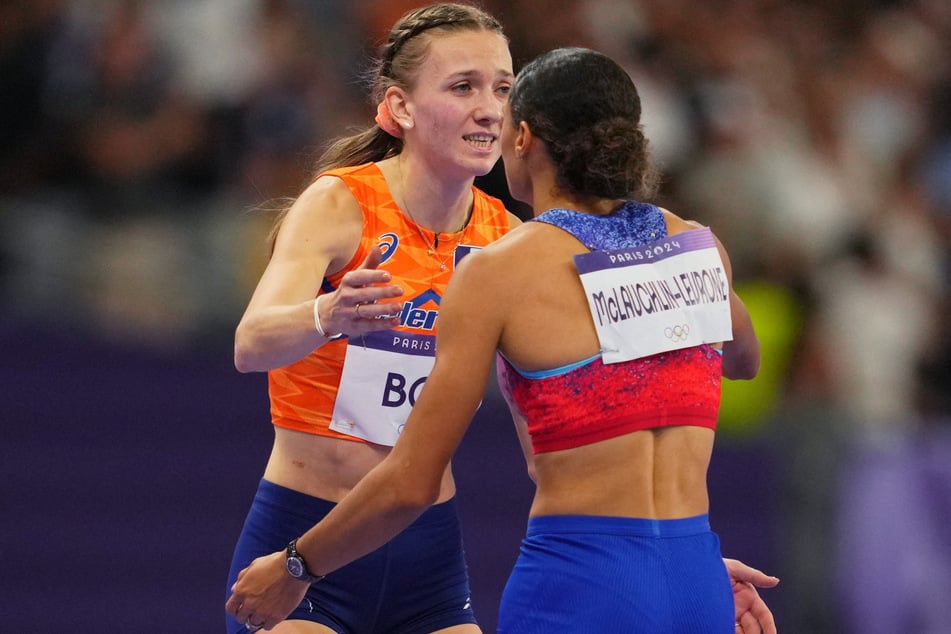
x,y
382,505
276,336
408,481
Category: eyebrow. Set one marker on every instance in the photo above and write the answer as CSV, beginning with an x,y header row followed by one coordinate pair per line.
x,y
468,74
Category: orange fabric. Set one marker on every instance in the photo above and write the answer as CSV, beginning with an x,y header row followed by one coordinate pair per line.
x,y
303,393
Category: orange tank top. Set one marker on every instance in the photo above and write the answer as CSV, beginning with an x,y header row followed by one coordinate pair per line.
x,y
353,388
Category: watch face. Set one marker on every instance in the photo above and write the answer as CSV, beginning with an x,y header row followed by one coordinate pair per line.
x,y
295,567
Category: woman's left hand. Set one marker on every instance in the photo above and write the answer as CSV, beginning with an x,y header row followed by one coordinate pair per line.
x,y
264,594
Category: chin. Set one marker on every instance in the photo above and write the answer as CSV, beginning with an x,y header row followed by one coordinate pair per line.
x,y
483,166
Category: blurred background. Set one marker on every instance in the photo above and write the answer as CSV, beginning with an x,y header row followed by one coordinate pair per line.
x,y
140,140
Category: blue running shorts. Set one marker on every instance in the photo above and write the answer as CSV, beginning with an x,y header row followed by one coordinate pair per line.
x,y
416,584
617,575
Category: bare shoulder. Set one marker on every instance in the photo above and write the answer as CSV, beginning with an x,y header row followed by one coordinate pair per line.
x,y
493,269
504,269
503,255
326,219
523,235
481,263
676,224
327,196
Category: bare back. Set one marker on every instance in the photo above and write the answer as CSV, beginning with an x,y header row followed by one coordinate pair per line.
x,y
658,473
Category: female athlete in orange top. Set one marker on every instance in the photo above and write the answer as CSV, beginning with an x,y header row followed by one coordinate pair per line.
x,y
366,252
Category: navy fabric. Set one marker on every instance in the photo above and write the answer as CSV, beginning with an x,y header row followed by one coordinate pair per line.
x,y
415,584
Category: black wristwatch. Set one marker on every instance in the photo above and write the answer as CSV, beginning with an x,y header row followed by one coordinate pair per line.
x,y
296,566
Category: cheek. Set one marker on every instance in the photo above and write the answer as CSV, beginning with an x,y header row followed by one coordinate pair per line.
x,y
440,119
515,176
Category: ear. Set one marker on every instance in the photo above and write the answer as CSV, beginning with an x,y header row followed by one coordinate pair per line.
x,y
398,102
525,140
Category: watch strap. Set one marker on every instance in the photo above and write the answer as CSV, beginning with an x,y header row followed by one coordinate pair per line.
x,y
292,553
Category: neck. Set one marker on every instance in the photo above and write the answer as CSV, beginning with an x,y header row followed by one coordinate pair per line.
x,y
594,206
438,205
547,195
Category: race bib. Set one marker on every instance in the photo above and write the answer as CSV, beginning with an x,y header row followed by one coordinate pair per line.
x,y
383,373
666,295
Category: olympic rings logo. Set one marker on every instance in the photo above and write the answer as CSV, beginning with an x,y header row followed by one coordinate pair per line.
x,y
677,333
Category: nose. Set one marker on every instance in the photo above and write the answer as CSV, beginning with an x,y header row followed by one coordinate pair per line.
x,y
489,111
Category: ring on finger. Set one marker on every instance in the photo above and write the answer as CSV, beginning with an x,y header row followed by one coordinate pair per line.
x,y
356,309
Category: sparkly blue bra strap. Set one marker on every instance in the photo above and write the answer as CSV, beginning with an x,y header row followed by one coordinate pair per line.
x,y
632,225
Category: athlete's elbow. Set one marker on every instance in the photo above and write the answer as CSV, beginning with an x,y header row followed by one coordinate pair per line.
x,y
245,357
413,497
741,372
242,363
417,491
740,365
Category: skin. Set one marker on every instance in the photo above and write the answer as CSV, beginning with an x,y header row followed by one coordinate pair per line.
x,y
500,285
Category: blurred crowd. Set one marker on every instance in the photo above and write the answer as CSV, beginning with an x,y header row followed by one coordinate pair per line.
x,y
144,141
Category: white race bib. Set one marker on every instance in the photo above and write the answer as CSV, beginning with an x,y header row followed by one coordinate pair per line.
x,y
383,373
666,295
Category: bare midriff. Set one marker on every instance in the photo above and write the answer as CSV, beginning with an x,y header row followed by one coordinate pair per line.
x,y
328,468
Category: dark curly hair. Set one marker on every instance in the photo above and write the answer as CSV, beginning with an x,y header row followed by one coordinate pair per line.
x,y
586,109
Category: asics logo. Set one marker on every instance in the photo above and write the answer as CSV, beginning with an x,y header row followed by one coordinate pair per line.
x,y
388,243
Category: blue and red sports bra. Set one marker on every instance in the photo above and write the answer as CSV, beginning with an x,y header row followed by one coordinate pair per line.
x,y
589,401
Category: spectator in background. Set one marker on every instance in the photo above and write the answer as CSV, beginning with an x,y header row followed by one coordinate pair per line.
x,y
141,141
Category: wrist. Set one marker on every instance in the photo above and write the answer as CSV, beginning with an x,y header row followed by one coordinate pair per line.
x,y
296,566
317,324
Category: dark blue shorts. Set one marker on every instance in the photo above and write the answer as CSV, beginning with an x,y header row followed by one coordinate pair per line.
x,y
415,584
616,575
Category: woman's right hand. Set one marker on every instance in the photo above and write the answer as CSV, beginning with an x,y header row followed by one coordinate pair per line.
x,y
359,305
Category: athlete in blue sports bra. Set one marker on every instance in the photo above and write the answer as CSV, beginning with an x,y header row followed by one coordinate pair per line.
x,y
565,406
619,436
640,574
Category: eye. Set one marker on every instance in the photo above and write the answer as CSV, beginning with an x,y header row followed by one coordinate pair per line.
x,y
504,89
462,88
